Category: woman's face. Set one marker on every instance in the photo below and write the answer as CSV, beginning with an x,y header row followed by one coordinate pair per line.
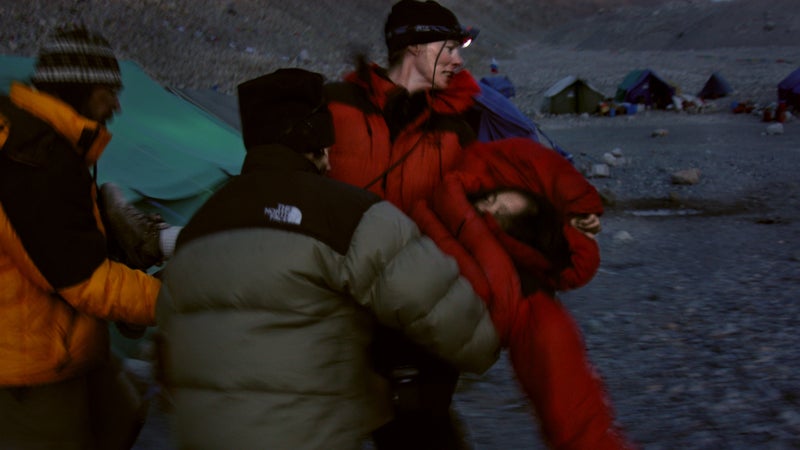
x,y
438,64
503,205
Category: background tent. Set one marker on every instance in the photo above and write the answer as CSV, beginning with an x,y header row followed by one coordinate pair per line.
x,y
716,87
645,87
789,89
501,84
167,154
496,117
571,95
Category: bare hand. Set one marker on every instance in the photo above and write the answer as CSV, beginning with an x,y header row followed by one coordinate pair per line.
x,y
588,224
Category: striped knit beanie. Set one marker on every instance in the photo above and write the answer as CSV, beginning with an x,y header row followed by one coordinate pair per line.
x,y
77,55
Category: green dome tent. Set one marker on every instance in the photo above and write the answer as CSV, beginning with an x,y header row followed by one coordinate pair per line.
x,y
571,95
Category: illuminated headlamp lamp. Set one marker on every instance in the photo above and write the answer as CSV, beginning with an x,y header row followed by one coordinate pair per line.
x,y
421,34
469,35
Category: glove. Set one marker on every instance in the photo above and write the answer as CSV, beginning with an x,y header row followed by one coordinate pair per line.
x,y
135,236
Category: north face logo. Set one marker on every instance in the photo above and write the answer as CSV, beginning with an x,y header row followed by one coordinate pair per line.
x,y
285,214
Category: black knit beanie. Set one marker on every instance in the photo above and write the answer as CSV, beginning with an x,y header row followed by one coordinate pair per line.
x,y
413,22
76,55
287,106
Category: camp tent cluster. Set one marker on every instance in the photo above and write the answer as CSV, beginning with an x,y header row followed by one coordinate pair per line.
x,y
573,95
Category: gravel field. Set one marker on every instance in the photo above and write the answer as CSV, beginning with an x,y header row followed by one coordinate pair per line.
x,y
693,317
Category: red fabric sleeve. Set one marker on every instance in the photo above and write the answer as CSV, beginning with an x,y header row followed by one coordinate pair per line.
x,y
431,226
452,206
585,260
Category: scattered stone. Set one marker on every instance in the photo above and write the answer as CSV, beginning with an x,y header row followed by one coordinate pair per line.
x,y
686,176
622,237
600,171
727,330
774,129
659,132
617,152
613,161
304,57
792,418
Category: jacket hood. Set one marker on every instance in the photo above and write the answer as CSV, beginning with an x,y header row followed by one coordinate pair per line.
x,y
520,163
272,157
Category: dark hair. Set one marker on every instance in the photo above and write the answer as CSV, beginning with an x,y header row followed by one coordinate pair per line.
x,y
75,95
395,57
539,226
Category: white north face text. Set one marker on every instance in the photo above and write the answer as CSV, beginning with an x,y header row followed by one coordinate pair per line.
x,y
284,213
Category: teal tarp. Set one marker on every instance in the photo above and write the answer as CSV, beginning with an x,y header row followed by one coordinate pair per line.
x,y
166,153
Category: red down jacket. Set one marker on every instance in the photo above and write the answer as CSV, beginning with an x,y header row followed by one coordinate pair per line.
x,y
544,342
402,167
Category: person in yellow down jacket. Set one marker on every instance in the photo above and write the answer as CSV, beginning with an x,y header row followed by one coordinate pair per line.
x,y
59,288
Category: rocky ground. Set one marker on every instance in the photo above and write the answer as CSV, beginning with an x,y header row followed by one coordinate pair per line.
x,y
692,319
693,315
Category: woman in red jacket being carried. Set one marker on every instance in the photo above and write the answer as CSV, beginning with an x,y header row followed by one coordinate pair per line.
x,y
520,221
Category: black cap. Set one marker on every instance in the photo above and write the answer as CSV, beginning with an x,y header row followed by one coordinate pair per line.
x,y
412,22
287,106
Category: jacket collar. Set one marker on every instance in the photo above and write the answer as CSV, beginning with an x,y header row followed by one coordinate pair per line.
x,y
457,98
276,157
87,137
